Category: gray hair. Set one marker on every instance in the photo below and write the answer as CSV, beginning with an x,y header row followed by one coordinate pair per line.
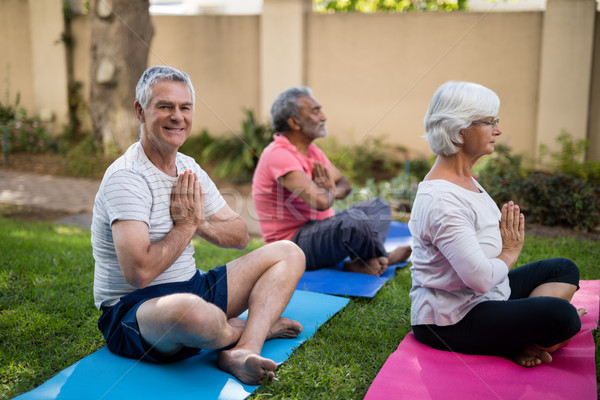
x,y
453,107
158,73
286,106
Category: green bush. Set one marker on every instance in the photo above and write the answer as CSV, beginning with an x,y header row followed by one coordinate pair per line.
x,y
559,199
566,193
20,132
371,159
195,145
85,159
370,6
400,192
570,159
236,156
498,172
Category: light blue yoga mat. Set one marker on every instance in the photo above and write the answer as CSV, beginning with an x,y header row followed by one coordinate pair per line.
x,y
337,282
103,375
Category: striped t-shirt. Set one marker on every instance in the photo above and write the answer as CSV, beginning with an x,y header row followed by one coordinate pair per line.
x,y
134,189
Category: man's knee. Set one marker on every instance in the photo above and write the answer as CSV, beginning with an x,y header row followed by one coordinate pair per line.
x,y
351,227
375,208
184,312
289,252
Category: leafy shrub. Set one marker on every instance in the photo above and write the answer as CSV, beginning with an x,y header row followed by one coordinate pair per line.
x,y
195,145
567,193
400,192
372,158
559,199
83,158
370,6
20,132
236,156
570,159
497,173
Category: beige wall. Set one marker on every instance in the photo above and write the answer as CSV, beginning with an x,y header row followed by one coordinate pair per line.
x,y
16,58
374,74
220,53
565,80
594,111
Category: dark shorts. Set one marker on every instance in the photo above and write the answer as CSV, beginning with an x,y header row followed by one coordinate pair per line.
x,y
358,231
119,325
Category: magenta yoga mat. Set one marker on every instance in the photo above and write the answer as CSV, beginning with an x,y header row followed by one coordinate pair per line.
x,y
416,371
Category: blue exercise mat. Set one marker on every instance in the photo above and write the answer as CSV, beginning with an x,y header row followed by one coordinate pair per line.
x,y
103,375
335,281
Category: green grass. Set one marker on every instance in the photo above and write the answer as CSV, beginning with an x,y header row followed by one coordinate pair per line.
x,y
48,319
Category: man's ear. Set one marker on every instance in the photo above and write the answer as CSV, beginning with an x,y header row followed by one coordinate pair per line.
x,y
139,111
293,123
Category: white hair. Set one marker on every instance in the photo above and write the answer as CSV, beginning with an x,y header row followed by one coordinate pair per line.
x,y
453,107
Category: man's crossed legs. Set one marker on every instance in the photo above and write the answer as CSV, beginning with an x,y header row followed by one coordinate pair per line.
x,y
262,282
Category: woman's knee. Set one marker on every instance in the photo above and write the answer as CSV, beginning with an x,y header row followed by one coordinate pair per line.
x,y
569,270
563,321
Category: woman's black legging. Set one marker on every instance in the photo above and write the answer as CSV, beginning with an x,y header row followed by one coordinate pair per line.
x,y
505,327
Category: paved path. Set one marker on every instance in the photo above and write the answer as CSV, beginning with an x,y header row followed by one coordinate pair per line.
x,y
76,196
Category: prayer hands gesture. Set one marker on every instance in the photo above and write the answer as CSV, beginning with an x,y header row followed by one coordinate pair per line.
x,y
322,178
512,231
187,200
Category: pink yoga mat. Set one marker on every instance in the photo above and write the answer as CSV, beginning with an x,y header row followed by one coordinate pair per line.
x,y
416,371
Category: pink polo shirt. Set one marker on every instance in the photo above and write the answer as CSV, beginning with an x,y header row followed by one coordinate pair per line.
x,y
280,212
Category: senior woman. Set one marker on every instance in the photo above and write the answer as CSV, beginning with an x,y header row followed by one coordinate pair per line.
x,y
466,296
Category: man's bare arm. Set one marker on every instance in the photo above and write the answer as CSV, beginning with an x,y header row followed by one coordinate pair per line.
x,y
141,261
343,187
302,186
225,228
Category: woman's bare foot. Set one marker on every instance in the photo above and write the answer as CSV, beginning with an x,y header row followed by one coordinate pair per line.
x,y
532,356
399,254
248,367
284,328
375,266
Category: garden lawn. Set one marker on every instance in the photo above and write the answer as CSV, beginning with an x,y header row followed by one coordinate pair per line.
x,y
48,318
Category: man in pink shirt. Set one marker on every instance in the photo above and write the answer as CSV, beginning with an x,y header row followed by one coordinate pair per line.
x,y
295,186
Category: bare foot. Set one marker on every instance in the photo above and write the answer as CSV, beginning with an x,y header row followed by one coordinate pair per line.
x,y
248,367
284,328
399,254
532,356
375,266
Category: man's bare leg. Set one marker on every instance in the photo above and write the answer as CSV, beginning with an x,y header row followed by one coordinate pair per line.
x,y
375,266
262,281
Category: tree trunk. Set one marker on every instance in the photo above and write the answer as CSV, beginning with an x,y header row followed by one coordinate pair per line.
x,y
120,43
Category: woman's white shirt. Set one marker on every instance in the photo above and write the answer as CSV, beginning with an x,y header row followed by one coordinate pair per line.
x,y
456,241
